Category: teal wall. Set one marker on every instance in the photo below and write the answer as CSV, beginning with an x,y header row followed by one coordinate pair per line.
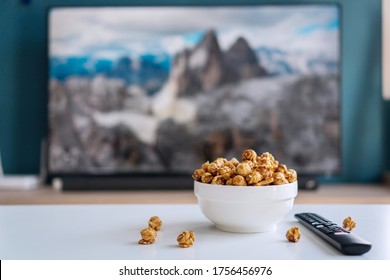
x,y
23,80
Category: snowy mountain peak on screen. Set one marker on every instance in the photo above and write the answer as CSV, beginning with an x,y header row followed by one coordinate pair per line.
x,y
241,57
283,62
206,66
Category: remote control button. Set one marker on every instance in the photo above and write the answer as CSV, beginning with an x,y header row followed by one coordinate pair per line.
x,y
322,221
329,224
326,230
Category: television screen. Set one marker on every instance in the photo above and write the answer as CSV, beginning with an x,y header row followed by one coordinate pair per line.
x,y
139,90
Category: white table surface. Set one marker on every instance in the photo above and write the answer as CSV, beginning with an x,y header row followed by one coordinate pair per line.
x,y
112,232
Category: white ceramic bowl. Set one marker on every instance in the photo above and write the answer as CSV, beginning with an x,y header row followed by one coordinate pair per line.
x,y
245,209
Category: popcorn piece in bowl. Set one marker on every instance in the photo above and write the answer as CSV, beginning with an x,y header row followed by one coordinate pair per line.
x,y
207,177
234,161
249,155
213,168
225,171
349,224
243,169
265,171
197,175
252,164
155,223
239,180
148,236
265,182
229,182
218,180
220,162
230,165
186,239
253,178
293,234
266,156
282,168
291,175
279,178
205,166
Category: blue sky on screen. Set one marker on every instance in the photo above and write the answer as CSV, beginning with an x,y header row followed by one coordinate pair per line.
x,y
328,26
114,32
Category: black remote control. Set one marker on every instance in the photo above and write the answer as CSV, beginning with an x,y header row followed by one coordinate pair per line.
x,y
345,241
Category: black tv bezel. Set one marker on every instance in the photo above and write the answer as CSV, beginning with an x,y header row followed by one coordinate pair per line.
x,y
155,180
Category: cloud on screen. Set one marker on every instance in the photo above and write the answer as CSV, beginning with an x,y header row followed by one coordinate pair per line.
x,y
119,31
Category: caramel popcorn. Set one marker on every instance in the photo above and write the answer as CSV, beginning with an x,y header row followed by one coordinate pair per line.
x,y
349,224
282,168
268,159
266,163
293,234
265,171
265,182
218,180
253,178
253,170
186,239
225,171
229,182
249,155
213,168
280,182
197,175
148,236
291,175
243,169
230,165
250,163
155,223
268,156
207,178
205,166
279,178
220,162
239,180
234,161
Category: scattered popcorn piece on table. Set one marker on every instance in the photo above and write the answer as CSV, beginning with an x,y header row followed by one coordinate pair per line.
x,y
186,239
293,234
349,224
148,236
155,223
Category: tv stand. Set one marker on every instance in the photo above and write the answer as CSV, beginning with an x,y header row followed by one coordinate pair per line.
x,y
107,183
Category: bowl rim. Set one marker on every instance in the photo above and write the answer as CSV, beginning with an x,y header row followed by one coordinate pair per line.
x,y
206,185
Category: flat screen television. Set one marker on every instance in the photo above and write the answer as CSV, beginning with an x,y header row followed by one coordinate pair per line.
x,y
150,93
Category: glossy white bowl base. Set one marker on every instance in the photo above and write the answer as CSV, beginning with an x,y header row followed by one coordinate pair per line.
x,y
239,229
245,209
